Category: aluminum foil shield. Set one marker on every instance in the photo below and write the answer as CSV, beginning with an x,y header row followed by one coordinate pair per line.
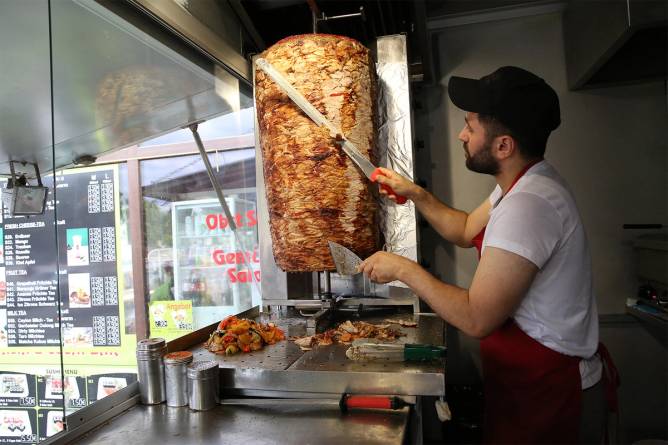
x,y
395,143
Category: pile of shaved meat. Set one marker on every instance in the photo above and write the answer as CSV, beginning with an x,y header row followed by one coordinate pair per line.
x,y
348,331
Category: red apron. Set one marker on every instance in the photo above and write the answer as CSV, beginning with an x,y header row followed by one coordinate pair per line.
x,y
532,393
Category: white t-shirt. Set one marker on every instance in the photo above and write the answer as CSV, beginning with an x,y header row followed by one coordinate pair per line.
x,y
538,220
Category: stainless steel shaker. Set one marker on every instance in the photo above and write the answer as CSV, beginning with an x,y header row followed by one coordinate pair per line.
x,y
151,370
176,381
203,385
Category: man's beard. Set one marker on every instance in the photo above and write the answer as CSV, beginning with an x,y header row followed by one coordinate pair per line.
x,y
483,161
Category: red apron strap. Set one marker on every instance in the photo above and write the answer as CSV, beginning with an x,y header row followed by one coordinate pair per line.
x,y
610,378
477,241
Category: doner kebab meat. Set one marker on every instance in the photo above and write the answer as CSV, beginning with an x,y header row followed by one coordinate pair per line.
x,y
348,331
314,192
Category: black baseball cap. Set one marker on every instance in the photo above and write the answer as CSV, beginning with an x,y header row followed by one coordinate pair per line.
x,y
520,100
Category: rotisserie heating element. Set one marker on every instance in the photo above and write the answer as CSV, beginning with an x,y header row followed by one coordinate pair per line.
x,y
314,192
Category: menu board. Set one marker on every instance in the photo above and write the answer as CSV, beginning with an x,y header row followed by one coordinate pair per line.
x,y
67,262
86,254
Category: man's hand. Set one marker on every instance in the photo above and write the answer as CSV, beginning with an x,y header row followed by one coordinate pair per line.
x,y
398,183
383,267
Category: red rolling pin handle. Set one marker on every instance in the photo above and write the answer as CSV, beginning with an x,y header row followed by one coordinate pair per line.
x,y
370,402
378,172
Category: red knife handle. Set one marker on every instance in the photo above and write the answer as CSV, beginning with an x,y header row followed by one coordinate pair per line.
x,y
374,176
371,402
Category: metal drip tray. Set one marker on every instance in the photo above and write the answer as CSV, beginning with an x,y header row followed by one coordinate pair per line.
x,y
276,357
284,367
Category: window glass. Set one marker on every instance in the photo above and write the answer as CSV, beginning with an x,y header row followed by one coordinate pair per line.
x,y
125,247
68,323
98,339
128,81
32,387
198,269
233,124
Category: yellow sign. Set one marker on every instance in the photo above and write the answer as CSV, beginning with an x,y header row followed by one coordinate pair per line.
x,y
171,319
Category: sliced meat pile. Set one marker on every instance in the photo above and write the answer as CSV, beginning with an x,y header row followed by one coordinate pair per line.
x,y
348,331
314,192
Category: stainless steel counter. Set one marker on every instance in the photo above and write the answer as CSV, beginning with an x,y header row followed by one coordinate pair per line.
x,y
325,369
280,371
242,424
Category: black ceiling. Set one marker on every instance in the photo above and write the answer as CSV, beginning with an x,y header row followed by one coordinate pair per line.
x,y
275,19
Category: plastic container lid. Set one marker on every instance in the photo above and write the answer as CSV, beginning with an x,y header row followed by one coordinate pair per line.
x,y
179,357
202,370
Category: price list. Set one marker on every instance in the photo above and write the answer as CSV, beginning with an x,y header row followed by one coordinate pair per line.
x,y
85,259
31,293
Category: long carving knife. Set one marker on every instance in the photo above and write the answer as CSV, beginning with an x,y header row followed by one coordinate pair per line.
x,y
370,171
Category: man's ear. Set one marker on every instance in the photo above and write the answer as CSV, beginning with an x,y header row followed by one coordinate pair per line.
x,y
504,146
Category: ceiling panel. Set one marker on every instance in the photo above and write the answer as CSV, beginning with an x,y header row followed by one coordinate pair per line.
x,y
25,102
113,84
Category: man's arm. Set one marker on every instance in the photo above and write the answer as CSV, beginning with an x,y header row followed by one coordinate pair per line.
x,y
499,285
454,225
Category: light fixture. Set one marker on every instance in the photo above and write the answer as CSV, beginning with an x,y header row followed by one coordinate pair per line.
x,y
84,160
19,197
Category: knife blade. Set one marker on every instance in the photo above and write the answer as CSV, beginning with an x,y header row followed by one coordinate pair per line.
x,y
345,260
370,171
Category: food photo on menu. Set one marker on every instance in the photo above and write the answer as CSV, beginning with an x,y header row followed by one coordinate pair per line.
x,y
54,387
77,247
179,316
71,389
54,423
15,423
106,386
158,311
13,385
79,290
78,337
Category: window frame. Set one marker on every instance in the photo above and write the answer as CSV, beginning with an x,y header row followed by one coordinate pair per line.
x,y
133,156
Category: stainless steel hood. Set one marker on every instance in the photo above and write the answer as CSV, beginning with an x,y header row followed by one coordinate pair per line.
x,y
611,42
116,82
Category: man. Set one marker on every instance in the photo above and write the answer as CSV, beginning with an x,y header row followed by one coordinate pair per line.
x,y
531,301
